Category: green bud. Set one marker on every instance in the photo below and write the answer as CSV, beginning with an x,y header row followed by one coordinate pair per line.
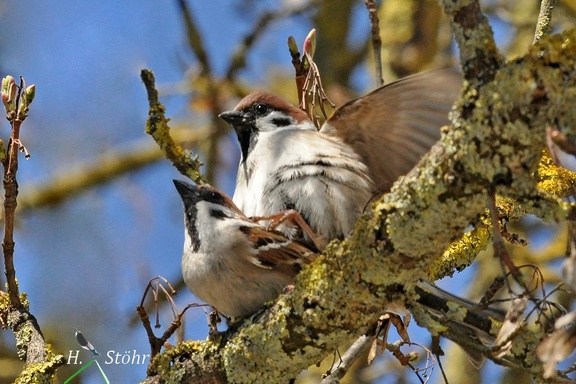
x,y
9,91
29,94
25,101
292,46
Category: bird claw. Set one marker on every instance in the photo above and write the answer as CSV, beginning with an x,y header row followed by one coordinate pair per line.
x,y
294,218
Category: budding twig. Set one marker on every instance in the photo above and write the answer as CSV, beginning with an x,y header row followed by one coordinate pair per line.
x,y
16,100
30,340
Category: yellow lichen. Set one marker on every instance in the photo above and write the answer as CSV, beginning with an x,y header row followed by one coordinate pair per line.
x,y
41,373
461,253
555,180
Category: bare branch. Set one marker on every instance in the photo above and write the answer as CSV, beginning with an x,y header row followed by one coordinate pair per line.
x,y
195,38
347,359
238,60
15,313
376,42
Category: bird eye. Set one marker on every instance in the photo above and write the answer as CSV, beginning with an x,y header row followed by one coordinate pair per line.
x,y
260,109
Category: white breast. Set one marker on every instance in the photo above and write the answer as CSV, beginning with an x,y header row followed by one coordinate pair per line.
x,y
316,174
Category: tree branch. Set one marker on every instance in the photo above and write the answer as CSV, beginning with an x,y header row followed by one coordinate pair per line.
x,y
157,127
490,145
543,27
376,41
479,55
15,311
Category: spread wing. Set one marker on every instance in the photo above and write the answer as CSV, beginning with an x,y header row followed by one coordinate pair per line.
x,y
392,127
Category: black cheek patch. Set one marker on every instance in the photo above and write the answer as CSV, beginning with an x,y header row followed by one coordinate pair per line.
x,y
281,121
218,214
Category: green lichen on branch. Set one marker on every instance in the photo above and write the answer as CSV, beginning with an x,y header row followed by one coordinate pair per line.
x,y
479,55
26,333
157,126
495,144
173,365
556,182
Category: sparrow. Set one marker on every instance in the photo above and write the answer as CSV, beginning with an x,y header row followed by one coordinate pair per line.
x,y
231,262
329,175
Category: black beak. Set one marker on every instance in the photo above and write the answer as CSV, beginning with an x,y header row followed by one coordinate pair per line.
x,y
242,124
234,118
187,191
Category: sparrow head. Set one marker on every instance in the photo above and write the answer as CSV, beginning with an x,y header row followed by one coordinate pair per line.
x,y
263,112
202,204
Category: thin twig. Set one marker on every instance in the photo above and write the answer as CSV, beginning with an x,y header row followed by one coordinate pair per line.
x,y
195,38
238,60
437,351
544,25
376,41
499,247
31,344
210,92
157,126
156,285
347,359
16,117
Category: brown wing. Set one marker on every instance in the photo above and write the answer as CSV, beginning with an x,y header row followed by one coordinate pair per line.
x,y
395,125
275,251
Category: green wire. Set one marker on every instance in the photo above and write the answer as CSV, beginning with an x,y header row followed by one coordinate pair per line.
x,y
102,372
86,366
80,371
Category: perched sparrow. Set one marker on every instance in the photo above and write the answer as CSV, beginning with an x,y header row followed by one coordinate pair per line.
x,y
229,261
329,176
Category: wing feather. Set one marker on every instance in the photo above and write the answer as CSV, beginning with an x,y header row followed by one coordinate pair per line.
x,y
275,251
395,125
